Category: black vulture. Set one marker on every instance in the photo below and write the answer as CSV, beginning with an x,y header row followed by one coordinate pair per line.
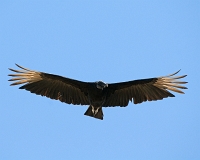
x,y
97,94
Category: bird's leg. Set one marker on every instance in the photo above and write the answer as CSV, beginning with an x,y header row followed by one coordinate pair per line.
x,y
95,110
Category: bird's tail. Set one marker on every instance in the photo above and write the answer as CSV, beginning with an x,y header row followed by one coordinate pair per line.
x,y
95,112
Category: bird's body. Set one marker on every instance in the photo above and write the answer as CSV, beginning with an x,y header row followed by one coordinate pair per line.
x,y
96,94
96,97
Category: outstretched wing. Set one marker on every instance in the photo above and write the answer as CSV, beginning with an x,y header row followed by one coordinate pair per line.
x,y
119,94
53,86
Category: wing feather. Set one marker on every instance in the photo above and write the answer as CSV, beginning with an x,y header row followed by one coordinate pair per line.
x,y
52,86
151,89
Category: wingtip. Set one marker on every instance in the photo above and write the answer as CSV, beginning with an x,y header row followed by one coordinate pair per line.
x,y
16,65
19,66
22,67
175,72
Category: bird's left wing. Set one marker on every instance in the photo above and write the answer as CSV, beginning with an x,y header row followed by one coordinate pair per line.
x,y
53,86
119,94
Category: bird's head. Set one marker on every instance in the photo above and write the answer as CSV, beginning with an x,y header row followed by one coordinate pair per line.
x,y
101,85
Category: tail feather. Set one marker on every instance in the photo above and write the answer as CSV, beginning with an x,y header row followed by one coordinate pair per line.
x,y
94,112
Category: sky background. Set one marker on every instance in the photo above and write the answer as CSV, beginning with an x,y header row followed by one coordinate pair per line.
x,y
112,41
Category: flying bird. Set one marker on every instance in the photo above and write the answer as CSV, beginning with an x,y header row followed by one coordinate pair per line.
x,y
97,94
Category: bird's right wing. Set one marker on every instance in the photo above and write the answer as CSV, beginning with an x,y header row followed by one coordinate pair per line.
x,y
53,86
119,94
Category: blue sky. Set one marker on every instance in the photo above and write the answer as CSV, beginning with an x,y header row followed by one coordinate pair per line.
x,y
112,41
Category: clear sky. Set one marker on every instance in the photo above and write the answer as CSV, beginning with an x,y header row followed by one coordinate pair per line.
x,y
112,41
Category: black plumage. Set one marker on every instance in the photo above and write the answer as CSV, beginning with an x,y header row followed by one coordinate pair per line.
x,y
97,94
